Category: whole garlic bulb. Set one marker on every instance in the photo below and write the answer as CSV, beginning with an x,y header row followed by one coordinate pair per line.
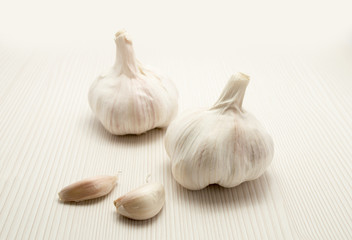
x,y
129,98
224,145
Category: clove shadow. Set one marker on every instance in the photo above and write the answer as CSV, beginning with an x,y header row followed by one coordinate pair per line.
x,y
86,202
135,223
91,123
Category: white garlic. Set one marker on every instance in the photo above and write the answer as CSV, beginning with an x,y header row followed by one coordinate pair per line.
x,y
88,188
130,98
223,145
142,203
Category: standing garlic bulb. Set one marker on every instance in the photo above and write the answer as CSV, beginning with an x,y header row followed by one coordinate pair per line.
x,y
129,98
224,145
142,203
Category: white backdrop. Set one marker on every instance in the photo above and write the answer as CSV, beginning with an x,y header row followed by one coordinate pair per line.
x,y
298,55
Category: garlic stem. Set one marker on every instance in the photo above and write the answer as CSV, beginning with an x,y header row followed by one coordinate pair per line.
x,y
233,93
125,61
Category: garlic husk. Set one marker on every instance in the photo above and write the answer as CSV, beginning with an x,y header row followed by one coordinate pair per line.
x,y
88,188
142,203
223,145
130,98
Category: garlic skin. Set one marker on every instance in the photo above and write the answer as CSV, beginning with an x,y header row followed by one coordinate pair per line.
x,y
142,203
224,145
129,98
88,188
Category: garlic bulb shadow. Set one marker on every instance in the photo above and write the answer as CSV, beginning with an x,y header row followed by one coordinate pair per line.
x,y
252,192
149,137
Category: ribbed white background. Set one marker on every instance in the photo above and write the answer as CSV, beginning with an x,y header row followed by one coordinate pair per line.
x,y
49,137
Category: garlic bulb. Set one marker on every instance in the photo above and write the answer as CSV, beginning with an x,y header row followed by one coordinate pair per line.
x,y
224,145
129,98
142,203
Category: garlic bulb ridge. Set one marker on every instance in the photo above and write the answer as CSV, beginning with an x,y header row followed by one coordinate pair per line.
x,y
224,145
130,98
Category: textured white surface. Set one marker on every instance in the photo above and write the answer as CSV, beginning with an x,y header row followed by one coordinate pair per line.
x,y
50,138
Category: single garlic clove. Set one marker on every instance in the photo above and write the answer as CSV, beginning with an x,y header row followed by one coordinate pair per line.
x,y
130,98
223,145
88,188
142,203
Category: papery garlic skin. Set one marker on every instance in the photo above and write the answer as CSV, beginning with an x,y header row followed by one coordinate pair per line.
x,y
88,188
224,145
129,98
142,203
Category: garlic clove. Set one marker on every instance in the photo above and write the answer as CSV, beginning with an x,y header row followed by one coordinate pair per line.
x,y
142,203
130,98
223,145
88,188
